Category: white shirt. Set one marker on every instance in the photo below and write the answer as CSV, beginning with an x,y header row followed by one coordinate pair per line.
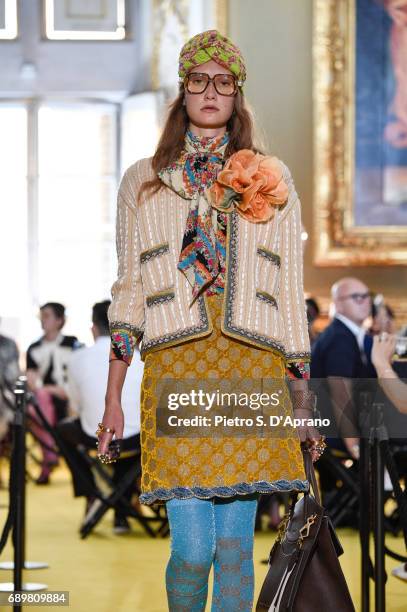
x,y
357,331
44,352
87,373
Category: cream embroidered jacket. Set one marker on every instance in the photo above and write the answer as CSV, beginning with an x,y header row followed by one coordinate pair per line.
x,y
152,300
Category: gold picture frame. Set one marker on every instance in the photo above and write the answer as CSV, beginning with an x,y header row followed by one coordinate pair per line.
x,y
338,240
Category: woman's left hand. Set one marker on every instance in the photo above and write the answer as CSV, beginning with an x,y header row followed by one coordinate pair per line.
x,y
309,435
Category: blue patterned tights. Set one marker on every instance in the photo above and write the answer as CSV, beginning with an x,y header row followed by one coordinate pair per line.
x,y
218,531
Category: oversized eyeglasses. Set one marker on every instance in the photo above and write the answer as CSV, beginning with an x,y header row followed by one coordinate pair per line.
x,y
225,84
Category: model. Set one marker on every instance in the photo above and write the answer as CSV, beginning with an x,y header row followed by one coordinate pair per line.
x,y
210,280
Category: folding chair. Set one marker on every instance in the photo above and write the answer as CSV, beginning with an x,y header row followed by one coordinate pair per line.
x,y
115,497
344,469
346,498
33,444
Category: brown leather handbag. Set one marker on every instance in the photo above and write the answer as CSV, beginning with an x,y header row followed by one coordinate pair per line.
x,y
304,571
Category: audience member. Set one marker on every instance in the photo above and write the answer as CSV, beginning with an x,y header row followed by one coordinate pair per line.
x,y
382,317
395,389
343,353
47,366
382,356
87,373
9,368
313,313
9,372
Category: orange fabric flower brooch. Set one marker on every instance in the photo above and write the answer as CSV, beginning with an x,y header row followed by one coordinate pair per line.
x,y
252,183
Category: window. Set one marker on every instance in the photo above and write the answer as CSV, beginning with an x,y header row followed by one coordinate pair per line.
x,y
77,164
85,19
60,168
140,129
13,216
57,212
8,19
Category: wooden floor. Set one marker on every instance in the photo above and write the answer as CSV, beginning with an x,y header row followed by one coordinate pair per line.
x,y
110,573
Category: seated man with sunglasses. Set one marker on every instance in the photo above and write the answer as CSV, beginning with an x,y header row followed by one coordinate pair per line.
x,y
342,355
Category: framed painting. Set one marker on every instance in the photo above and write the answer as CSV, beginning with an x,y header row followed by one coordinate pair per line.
x,y
360,132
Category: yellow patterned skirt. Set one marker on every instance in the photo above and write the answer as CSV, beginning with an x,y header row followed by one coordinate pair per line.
x,y
222,465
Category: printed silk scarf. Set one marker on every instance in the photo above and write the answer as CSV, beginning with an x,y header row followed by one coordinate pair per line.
x,y
203,251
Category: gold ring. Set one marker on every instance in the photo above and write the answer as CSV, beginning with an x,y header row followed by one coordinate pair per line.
x,y
103,429
319,447
105,458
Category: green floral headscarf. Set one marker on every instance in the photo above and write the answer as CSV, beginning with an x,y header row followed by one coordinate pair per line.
x,y
211,45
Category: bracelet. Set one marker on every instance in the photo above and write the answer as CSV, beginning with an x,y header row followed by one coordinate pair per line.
x,y
103,429
303,400
121,361
311,410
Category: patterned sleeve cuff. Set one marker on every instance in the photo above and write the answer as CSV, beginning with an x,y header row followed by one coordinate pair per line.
x,y
123,341
298,369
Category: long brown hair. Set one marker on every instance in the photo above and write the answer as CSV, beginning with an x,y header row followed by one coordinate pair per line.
x,y
241,136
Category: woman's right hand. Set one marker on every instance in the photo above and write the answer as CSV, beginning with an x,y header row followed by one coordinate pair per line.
x,y
113,418
383,349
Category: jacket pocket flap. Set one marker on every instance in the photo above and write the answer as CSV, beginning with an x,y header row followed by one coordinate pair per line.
x,y
154,251
270,255
266,297
161,297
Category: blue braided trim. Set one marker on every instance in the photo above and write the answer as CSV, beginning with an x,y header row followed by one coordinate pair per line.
x,y
242,488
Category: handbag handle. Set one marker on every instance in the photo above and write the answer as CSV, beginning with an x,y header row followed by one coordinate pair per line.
x,y
310,474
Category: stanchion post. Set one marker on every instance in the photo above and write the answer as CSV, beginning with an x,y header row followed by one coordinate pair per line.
x,y
374,443
19,457
364,523
378,492
17,496
31,565
365,502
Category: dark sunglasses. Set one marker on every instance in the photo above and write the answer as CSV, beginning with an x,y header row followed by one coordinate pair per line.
x,y
225,84
357,297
